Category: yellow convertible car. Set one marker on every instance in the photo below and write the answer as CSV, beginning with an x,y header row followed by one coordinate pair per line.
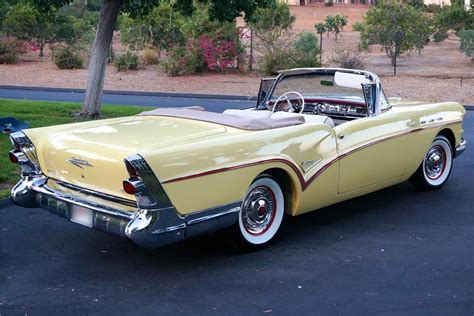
x,y
316,137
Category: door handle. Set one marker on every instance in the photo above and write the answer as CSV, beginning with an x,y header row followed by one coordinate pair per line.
x,y
341,136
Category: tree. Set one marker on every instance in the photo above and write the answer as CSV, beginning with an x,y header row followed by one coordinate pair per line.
x,y
320,29
272,26
454,17
396,26
335,24
339,22
110,9
26,23
467,42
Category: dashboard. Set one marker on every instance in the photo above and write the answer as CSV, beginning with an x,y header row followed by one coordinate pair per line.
x,y
336,110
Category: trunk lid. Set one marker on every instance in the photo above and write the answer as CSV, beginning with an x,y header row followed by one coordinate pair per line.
x,y
91,154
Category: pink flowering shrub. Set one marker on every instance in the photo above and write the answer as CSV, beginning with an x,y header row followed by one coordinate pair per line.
x,y
218,54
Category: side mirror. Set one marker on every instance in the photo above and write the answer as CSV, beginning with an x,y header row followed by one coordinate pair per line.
x,y
265,86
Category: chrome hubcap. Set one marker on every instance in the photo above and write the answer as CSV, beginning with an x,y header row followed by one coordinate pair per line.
x,y
435,162
258,210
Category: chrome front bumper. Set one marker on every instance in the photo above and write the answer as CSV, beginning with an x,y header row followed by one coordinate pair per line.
x,y
461,147
147,228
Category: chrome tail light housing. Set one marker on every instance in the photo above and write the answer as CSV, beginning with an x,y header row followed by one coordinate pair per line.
x,y
24,154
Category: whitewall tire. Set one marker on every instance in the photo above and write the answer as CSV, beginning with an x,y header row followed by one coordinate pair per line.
x,y
436,167
262,211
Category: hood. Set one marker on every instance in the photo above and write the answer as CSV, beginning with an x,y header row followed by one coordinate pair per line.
x,y
101,146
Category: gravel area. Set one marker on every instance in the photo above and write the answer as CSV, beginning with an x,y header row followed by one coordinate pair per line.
x,y
434,75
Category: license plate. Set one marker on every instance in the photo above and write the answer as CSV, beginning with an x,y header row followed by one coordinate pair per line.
x,y
82,215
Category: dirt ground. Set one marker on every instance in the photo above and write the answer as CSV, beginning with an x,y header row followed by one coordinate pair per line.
x,y
439,73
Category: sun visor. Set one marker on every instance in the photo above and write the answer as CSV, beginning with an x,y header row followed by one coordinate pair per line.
x,y
349,80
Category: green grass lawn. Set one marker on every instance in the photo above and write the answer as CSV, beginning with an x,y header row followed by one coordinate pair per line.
x,y
38,114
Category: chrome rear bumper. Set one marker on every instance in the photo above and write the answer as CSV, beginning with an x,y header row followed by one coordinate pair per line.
x,y
147,228
461,147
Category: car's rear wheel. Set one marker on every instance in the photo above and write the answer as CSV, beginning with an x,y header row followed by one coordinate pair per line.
x,y
436,166
262,212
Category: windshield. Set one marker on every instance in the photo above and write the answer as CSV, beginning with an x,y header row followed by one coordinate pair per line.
x,y
316,85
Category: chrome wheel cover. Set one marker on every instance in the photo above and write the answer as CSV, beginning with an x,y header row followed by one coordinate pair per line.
x,y
435,162
258,210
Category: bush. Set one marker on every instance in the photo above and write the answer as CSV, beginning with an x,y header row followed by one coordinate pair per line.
x,y
306,51
150,57
467,42
126,61
433,8
271,63
10,49
66,58
417,4
184,60
348,59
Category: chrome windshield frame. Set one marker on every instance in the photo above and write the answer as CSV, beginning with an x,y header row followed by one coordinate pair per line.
x,y
373,111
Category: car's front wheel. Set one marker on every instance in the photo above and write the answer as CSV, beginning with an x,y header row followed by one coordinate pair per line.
x,y
434,171
262,212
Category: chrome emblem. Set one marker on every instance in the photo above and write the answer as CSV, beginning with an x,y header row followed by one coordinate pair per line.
x,y
78,162
308,164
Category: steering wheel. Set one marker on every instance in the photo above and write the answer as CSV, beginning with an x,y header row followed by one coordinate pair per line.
x,y
284,97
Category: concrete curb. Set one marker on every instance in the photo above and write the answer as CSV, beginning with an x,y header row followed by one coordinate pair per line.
x,y
139,93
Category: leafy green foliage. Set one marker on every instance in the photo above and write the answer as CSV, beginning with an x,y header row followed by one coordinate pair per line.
x,y
160,28
126,61
416,4
65,57
454,17
320,27
272,26
26,22
334,24
10,49
306,51
396,26
467,42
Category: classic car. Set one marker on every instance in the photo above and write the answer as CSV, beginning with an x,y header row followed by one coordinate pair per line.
x,y
316,137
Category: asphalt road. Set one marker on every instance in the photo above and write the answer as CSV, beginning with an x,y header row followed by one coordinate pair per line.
x,y
393,252
210,102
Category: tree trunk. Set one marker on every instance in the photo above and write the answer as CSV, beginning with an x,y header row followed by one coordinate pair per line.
x,y
98,61
41,47
394,64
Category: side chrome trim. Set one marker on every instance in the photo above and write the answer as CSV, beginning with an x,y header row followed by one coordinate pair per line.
x,y
212,219
461,147
317,171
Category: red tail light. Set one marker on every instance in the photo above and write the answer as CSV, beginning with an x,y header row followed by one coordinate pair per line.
x,y
12,156
129,187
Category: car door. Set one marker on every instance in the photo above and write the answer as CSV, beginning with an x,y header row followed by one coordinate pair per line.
x,y
371,150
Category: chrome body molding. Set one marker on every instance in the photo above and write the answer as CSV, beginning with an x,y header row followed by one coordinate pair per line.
x,y
147,228
461,147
